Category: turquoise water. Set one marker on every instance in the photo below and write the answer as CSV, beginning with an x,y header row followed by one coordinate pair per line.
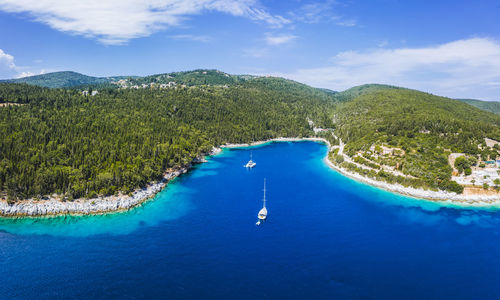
x,y
327,236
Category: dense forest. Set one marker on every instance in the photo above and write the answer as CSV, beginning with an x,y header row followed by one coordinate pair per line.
x,y
60,141
359,90
491,106
426,127
68,79
64,79
191,78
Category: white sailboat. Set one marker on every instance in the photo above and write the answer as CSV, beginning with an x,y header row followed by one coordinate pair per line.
x,y
262,215
250,163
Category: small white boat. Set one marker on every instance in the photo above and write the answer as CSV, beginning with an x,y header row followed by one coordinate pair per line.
x,y
250,163
263,212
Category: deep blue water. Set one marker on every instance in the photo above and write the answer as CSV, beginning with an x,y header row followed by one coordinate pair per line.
x,y
327,236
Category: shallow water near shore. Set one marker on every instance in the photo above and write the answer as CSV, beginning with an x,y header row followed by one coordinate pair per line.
x,y
327,236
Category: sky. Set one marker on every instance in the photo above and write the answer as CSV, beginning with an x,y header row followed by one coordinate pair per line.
x,y
448,48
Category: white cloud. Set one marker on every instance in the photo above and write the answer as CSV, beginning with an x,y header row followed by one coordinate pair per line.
x,y
118,21
317,12
279,39
7,66
463,68
9,69
382,43
7,60
191,37
313,12
256,52
29,73
347,23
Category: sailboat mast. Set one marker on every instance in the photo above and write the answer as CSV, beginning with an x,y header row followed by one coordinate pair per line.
x,y
264,192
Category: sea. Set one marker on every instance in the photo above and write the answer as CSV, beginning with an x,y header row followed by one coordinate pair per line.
x,y
326,237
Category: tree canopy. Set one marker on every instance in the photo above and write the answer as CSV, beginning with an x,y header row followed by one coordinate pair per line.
x,y
61,141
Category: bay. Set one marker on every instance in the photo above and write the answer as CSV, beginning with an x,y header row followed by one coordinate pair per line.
x,y
326,236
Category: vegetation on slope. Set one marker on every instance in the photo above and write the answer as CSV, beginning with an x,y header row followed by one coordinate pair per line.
x,y
191,78
425,126
63,142
359,90
491,106
62,80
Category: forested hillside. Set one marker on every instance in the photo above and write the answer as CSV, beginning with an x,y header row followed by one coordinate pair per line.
x,y
191,78
69,79
64,80
60,141
359,90
491,106
422,128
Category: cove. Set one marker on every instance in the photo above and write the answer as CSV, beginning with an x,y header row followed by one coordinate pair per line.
x,y
327,236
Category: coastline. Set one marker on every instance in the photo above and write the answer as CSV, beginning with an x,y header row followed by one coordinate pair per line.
x,y
113,204
420,194
281,139
100,205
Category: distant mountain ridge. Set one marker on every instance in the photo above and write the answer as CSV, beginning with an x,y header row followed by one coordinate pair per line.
x,y
359,90
354,92
491,106
63,79
186,78
70,79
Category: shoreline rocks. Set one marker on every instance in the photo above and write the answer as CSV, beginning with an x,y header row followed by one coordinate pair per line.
x,y
485,201
314,139
435,196
100,205
110,204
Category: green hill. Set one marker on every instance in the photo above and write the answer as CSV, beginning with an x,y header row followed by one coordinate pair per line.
x,y
61,141
426,127
68,79
60,80
190,78
491,106
328,91
356,91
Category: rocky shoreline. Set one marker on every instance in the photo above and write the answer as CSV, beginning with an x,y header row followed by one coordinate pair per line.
x,y
436,196
314,139
100,205
110,204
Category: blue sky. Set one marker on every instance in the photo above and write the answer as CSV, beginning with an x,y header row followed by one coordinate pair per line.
x,y
450,48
